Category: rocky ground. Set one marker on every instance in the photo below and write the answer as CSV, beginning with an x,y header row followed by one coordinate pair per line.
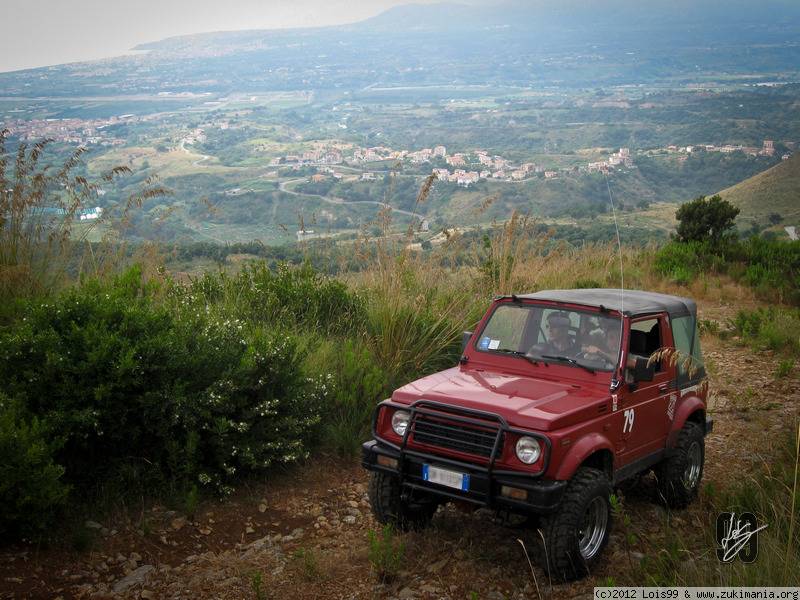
x,y
304,533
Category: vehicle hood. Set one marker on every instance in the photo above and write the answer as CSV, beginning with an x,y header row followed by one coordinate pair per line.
x,y
523,401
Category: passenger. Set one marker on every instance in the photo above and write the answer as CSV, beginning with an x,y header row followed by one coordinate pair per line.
x,y
585,337
608,347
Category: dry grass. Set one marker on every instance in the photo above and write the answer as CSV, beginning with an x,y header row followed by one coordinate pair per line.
x,y
41,234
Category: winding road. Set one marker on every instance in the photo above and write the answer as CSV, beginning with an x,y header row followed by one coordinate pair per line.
x,y
340,201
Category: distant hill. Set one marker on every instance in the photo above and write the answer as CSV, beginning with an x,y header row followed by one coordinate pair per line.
x,y
776,190
518,43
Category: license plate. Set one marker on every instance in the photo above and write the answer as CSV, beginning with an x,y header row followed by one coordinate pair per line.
x,y
452,479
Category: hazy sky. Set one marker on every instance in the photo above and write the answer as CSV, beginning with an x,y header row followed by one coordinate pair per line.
x,y
46,32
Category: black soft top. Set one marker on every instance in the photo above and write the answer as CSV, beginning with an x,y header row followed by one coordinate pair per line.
x,y
631,302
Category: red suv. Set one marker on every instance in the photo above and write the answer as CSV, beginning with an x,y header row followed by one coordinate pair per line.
x,y
558,397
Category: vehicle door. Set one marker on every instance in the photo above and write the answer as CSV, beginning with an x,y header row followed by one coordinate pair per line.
x,y
644,404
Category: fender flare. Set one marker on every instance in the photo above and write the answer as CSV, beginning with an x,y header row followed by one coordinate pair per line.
x,y
585,447
686,408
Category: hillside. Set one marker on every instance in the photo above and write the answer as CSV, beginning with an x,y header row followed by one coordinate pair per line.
x,y
776,190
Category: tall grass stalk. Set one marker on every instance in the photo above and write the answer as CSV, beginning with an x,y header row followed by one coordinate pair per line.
x,y
792,504
41,233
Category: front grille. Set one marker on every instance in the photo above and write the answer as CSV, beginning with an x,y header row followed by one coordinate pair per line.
x,y
442,433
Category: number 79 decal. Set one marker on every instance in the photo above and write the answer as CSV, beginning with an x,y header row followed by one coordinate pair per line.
x,y
627,426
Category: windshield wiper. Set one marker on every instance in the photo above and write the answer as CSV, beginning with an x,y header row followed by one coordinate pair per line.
x,y
524,355
569,360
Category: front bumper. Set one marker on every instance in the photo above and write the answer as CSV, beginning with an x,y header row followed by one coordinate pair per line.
x,y
543,496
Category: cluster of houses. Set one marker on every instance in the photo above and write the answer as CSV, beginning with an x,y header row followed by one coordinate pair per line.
x,y
766,149
617,159
82,132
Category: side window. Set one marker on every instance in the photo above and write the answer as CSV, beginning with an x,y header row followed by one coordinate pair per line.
x,y
684,332
646,339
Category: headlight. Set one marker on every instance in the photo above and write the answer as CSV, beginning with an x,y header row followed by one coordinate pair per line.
x,y
528,450
400,421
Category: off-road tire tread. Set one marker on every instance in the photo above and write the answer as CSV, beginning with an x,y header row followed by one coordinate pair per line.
x,y
559,529
669,472
389,508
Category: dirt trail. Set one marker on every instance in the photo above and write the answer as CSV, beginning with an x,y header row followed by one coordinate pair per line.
x,y
303,533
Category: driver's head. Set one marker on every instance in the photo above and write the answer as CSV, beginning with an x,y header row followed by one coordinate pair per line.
x,y
558,324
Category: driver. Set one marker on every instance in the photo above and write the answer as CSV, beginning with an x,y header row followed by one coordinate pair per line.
x,y
559,341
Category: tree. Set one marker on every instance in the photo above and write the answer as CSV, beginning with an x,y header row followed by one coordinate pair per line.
x,y
705,219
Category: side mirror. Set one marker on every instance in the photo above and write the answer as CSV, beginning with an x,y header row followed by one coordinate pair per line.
x,y
465,337
643,372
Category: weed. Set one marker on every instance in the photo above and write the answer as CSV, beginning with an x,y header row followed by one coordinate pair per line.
x,y
308,563
622,517
257,585
785,368
386,553
530,566
708,326
145,526
191,501
81,538
744,400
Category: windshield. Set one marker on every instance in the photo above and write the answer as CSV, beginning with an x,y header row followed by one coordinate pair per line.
x,y
572,337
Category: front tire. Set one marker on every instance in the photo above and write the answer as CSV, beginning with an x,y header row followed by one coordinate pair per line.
x,y
390,507
577,534
679,475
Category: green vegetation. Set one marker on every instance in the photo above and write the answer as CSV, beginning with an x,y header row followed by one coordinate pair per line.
x,y
190,387
773,192
771,328
705,220
771,494
168,395
785,368
771,267
31,486
386,553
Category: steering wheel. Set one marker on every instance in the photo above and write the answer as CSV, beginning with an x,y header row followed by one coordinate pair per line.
x,y
595,357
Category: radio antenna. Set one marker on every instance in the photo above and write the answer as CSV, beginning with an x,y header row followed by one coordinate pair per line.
x,y
615,383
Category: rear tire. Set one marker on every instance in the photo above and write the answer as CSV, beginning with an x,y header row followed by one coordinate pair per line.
x,y
577,534
679,475
390,508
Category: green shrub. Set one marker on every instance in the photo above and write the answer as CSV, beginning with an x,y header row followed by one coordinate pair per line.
x,y
770,329
705,219
771,267
164,396
31,490
680,262
285,296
